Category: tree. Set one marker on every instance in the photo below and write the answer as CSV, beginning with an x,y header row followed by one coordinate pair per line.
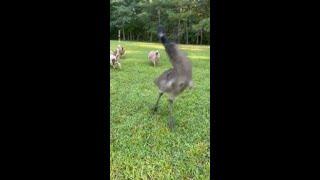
x,y
187,21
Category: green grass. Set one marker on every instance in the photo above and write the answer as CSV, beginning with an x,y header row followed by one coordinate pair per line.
x,y
142,146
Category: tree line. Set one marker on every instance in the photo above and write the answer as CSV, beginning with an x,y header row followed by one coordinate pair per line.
x,y
186,21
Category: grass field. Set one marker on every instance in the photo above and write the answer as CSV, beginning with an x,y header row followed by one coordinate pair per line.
x,y
142,146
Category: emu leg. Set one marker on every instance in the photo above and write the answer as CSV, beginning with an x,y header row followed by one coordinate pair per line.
x,y
155,108
171,121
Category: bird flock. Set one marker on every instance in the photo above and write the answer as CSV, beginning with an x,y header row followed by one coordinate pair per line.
x,y
116,55
172,81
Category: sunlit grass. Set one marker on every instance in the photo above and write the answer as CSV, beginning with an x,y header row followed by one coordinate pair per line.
x,y
142,147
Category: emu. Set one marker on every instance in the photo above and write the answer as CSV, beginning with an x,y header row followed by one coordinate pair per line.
x,y
121,50
174,80
154,57
114,60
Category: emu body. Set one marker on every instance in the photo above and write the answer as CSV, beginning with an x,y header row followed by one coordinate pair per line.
x,y
114,61
175,80
154,57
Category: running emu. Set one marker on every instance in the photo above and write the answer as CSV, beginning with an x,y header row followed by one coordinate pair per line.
x,y
175,80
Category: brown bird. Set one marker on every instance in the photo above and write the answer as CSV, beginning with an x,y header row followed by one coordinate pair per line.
x,y
175,80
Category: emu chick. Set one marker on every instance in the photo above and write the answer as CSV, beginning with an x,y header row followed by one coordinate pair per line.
x,y
154,57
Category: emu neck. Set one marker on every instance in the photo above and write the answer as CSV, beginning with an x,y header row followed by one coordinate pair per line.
x,y
177,59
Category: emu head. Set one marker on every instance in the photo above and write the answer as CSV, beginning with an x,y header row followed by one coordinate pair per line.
x,y
157,53
122,50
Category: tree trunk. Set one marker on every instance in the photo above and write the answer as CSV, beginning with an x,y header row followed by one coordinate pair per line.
x,y
197,38
187,41
124,37
119,35
159,15
179,27
178,34
201,37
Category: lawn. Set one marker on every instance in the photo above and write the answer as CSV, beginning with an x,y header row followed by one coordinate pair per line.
x,y
142,146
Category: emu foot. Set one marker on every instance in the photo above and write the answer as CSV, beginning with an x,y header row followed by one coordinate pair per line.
x,y
154,109
171,123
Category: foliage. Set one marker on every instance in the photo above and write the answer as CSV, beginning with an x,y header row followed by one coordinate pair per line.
x,y
186,20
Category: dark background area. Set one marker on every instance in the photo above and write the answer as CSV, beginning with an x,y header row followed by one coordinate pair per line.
x,y
56,90
264,85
